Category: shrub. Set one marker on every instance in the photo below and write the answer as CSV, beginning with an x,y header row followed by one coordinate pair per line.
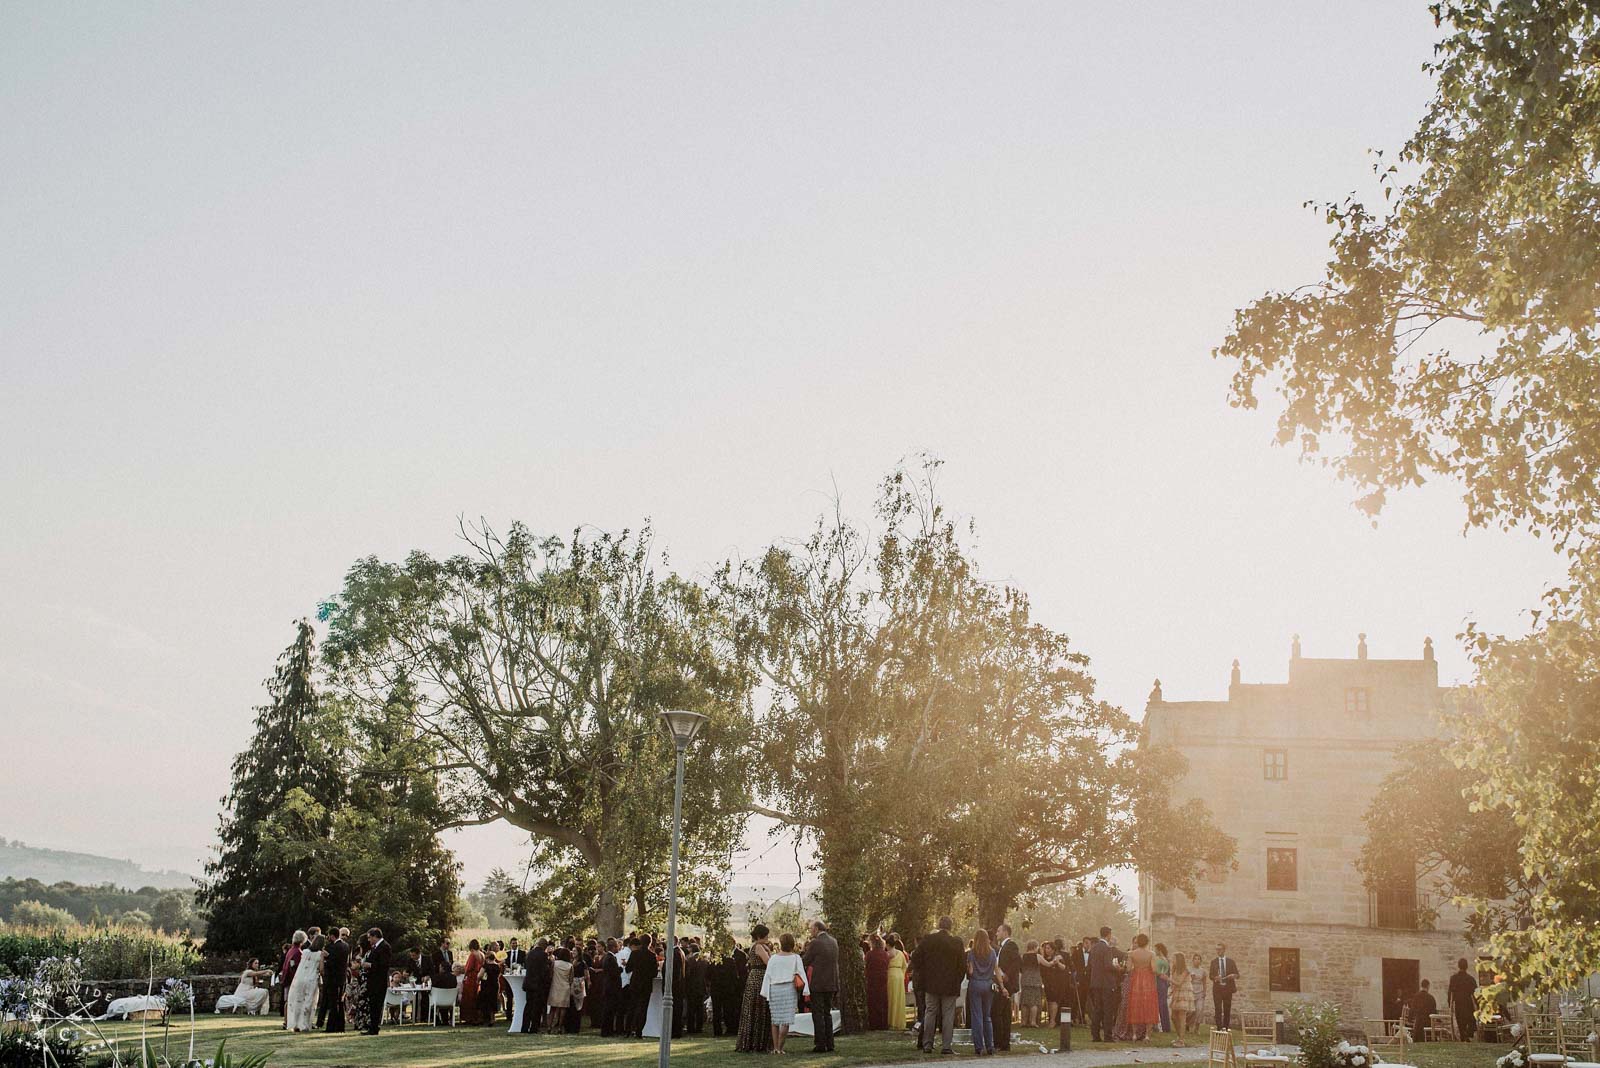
x,y
21,950
129,954
29,1049
38,914
1318,1028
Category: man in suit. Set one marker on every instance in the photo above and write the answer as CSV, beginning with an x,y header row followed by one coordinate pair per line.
x,y
1010,981
1224,976
694,991
642,970
679,955
1422,1006
442,974
606,986
1104,984
722,978
821,957
378,958
1462,995
330,1010
1078,972
536,984
940,963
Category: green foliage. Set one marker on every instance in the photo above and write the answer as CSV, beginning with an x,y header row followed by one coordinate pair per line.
x,y
38,914
1466,850
1317,1025
1531,744
255,891
540,667
134,918
89,904
1490,230
30,1049
129,954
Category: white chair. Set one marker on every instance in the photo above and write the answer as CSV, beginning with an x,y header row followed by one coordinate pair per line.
x,y
394,1005
443,998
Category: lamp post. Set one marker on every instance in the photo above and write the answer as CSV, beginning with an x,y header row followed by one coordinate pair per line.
x,y
682,727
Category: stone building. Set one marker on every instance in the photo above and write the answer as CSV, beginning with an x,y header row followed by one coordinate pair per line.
x,y
1288,769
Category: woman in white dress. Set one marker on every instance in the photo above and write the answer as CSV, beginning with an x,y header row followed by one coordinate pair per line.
x,y
560,991
301,996
247,995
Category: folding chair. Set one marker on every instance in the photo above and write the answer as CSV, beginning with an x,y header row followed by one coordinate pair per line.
x,y
1261,1038
1441,1027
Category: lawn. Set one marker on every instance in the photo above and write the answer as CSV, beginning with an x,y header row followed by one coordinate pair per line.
x,y
460,1047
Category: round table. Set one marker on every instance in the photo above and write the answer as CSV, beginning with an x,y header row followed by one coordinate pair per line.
x,y
519,1001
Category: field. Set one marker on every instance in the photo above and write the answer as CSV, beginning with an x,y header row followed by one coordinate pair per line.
x,y
428,1047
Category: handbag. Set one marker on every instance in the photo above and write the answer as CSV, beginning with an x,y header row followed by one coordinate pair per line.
x,y
799,982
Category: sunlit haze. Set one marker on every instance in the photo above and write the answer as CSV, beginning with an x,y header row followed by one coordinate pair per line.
x,y
286,285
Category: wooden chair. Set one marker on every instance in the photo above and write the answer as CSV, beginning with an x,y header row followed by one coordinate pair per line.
x,y
1441,1027
1542,1033
1261,1034
1389,1036
1220,1053
1575,1044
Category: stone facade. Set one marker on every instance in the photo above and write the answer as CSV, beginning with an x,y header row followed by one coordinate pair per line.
x,y
1288,769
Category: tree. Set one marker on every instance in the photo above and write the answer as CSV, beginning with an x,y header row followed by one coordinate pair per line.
x,y
1490,231
1530,746
38,914
288,771
172,913
1454,333
134,918
538,670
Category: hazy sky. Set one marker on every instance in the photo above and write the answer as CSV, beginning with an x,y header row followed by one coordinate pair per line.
x,y
282,285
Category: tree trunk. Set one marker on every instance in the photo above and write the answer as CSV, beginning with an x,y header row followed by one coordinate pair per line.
x,y
995,898
845,864
608,915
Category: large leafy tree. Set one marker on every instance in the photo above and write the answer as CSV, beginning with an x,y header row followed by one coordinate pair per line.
x,y
1454,334
289,767
1424,826
537,669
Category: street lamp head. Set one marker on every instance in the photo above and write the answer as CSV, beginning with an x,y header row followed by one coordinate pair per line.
x,y
682,726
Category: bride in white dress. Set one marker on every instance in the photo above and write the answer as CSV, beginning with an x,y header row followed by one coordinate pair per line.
x,y
301,997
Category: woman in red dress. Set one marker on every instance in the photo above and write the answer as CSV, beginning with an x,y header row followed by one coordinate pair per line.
x,y
1144,1007
877,985
469,983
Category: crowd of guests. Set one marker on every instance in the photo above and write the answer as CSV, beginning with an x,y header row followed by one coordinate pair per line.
x,y
988,981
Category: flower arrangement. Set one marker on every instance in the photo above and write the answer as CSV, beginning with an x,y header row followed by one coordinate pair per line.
x,y
179,995
1517,1058
14,1002
1348,1054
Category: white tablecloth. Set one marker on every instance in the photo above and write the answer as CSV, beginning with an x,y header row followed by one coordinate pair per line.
x,y
802,1023
519,1002
652,1016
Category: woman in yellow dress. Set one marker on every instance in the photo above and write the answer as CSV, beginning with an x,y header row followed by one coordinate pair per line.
x,y
897,983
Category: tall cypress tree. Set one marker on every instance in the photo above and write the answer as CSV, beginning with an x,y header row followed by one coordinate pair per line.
x,y
254,895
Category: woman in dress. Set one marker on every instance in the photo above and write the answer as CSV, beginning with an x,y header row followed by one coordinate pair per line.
x,y
1181,1000
983,979
356,1005
877,963
1053,967
301,998
897,983
1197,983
1163,986
580,991
755,1017
252,997
471,982
1032,984
489,988
1143,1011
560,992
782,982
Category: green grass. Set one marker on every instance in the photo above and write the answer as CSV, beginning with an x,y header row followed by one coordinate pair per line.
x,y
461,1047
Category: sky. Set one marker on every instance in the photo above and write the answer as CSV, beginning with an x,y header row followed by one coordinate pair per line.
x,y
285,285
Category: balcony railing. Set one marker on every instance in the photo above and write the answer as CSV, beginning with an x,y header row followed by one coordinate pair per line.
x,y
1400,908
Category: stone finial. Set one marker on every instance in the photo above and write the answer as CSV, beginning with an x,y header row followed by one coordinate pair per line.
x,y
1155,693
1294,649
1427,650
1361,646
1234,681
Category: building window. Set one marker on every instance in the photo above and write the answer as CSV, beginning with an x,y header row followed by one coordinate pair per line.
x,y
1283,869
1275,764
1283,971
1357,702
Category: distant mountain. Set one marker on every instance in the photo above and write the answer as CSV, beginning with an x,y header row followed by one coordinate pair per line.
x,y
20,861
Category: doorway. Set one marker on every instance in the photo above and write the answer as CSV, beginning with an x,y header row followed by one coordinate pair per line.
x,y
1401,979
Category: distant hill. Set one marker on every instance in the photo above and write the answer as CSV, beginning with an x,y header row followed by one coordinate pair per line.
x,y
21,861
